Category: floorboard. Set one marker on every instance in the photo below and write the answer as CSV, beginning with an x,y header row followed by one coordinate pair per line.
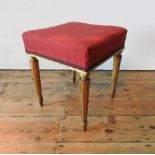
x,y
125,124
103,148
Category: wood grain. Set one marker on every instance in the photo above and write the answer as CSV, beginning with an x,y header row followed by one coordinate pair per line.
x,y
27,148
104,129
103,148
29,129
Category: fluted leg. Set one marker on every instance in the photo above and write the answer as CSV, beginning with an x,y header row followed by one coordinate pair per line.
x,y
115,72
84,99
74,76
35,70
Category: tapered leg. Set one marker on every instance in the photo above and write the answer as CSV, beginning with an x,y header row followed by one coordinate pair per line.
x,y
84,98
116,66
74,76
35,70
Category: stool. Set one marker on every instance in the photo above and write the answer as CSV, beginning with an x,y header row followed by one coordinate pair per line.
x,y
81,47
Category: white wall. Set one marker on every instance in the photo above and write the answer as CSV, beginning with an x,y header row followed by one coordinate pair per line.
x,y
138,16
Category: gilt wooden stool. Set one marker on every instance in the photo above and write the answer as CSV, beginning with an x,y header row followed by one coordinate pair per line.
x,y
80,46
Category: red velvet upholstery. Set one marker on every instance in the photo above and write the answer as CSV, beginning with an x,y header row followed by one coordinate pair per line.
x,y
76,44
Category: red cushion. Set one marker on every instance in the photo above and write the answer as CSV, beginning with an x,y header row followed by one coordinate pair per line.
x,y
76,44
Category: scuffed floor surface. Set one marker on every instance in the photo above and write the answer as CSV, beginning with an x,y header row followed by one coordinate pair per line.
x,y
125,124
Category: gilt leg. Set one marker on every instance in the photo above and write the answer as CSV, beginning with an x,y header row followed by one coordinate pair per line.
x,y
35,71
115,72
84,98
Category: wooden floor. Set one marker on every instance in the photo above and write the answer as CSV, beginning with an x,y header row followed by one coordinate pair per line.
x,y
125,124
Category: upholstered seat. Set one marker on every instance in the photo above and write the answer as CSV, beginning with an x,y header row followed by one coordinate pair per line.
x,y
79,45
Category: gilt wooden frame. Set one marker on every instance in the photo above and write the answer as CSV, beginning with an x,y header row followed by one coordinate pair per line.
x,y
84,81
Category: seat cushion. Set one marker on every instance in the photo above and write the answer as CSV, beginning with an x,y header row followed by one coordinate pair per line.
x,y
79,45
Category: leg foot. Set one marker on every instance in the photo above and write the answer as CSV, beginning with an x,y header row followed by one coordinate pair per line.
x,y
74,77
41,101
84,127
113,93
